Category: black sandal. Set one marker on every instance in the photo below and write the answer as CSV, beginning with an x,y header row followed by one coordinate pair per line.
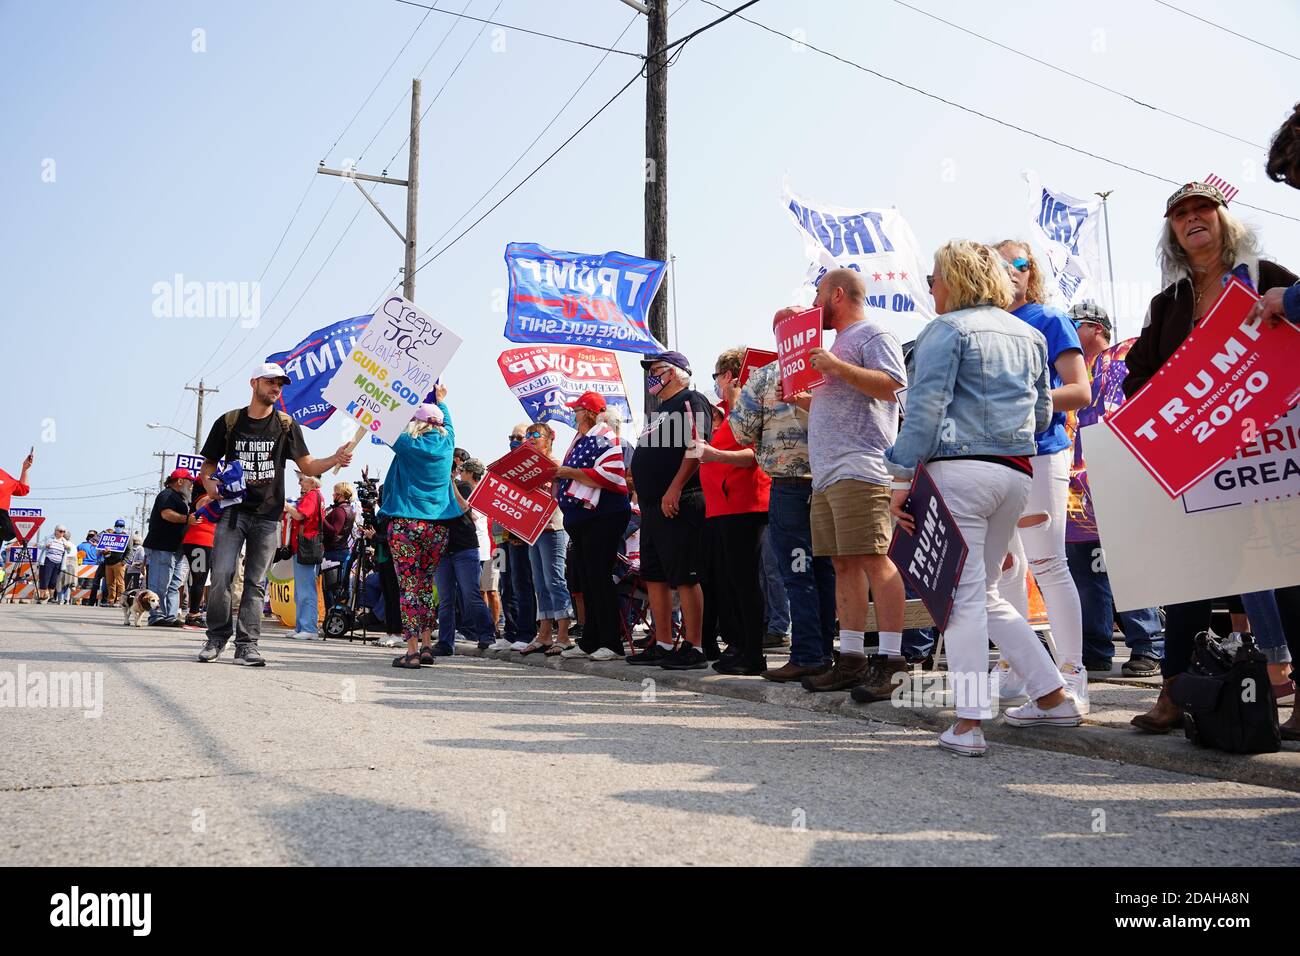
x,y
408,661
426,656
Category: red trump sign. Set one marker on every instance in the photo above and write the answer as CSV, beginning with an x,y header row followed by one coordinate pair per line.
x,y
522,512
1228,381
796,336
524,466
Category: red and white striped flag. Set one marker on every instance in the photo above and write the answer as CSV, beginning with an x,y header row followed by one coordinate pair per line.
x,y
1222,185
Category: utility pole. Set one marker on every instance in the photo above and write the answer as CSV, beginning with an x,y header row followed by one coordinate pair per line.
x,y
1110,261
412,184
198,424
162,457
144,494
656,152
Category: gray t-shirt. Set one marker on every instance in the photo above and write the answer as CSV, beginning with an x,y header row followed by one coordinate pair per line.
x,y
847,431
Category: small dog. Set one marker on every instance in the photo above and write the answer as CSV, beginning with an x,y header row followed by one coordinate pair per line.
x,y
138,603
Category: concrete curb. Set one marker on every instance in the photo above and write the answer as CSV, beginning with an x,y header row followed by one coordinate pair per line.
x,y
1168,752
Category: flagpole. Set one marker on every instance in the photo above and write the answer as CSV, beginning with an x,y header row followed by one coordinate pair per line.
x,y
1110,260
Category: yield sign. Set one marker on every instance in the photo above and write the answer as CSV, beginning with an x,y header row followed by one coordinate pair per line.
x,y
27,521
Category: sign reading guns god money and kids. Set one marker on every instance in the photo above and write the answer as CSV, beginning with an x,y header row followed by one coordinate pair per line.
x,y
796,336
546,377
876,243
931,559
572,298
391,368
1228,380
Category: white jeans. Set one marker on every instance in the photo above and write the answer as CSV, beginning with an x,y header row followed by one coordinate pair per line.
x,y
1043,546
986,501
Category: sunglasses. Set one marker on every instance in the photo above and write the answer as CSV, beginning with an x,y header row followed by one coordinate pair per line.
x,y
1020,264
929,281
535,434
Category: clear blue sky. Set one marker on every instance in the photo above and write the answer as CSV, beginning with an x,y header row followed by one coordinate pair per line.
x,y
168,161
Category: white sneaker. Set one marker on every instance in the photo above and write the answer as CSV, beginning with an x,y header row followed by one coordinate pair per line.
x,y
391,640
501,644
573,652
604,654
304,636
1065,714
1010,684
969,744
1076,685
518,645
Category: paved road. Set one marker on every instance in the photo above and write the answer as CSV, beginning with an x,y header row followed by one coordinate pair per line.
x,y
331,756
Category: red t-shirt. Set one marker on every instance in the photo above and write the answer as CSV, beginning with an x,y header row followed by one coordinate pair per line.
x,y
309,505
10,486
731,489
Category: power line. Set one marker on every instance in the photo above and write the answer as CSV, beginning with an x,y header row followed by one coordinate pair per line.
x,y
1082,79
1218,26
572,136
992,119
310,283
454,70
88,484
536,33
536,139
106,494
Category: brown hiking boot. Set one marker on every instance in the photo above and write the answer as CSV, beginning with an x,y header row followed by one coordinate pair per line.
x,y
850,670
793,672
1164,716
880,683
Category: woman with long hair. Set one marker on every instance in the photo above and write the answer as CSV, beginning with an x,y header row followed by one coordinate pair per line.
x,y
417,492
1041,530
978,396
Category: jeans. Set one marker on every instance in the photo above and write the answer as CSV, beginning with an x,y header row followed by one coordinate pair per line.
x,y
1142,630
306,611
809,581
460,571
547,559
1266,626
165,575
775,600
986,501
256,536
518,597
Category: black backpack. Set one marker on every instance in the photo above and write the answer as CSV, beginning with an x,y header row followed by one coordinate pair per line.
x,y
1227,698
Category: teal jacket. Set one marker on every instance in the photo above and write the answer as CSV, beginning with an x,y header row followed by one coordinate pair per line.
x,y
418,484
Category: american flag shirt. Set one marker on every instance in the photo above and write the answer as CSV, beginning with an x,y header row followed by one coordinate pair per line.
x,y
599,455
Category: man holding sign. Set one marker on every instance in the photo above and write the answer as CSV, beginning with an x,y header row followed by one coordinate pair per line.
x,y
262,440
852,419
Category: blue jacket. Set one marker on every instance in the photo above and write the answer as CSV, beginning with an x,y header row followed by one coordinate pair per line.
x,y
979,386
418,483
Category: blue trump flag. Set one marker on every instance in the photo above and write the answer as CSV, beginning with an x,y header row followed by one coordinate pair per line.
x,y
570,298
311,364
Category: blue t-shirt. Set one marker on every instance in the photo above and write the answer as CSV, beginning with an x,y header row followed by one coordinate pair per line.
x,y
1061,336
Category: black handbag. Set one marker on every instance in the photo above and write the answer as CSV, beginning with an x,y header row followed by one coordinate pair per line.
x,y
1227,699
310,550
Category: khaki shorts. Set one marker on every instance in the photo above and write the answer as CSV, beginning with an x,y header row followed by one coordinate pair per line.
x,y
489,577
851,517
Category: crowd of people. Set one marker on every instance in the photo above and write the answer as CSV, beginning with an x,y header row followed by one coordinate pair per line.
x,y
751,518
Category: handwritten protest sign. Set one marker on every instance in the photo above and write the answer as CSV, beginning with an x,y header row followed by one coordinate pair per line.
x,y
113,541
522,512
524,466
754,359
391,367
931,559
796,336
545,378
1228,380
26,521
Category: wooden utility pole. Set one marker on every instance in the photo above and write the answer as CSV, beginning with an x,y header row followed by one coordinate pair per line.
x,y
198,423
412,184
162,457
656,162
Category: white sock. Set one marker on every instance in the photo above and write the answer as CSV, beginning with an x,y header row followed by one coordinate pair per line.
x,y
667,647
891,643
851,642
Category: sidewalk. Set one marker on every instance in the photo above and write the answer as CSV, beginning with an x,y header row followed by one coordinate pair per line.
x,y
1106,733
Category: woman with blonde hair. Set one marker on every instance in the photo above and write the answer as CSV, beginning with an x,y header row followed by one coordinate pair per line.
x,y
1040,534
417,492
977,397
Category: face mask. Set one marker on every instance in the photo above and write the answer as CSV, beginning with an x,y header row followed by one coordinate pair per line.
x,y
654,384
718,390
515,443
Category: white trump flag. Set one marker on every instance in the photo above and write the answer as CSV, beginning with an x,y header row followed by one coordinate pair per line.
x,y
1065,230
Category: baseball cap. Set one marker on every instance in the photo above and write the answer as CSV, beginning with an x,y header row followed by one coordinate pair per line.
x,y
270,370
183,474
1094,314
474,467
427,412
588,401
1188,190
119,523
676,359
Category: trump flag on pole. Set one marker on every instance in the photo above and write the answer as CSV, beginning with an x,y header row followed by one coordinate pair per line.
x,y
311,364
545,378
1066,229
574,298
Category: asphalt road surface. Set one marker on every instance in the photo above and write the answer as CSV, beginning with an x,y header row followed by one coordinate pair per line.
x,y
331,756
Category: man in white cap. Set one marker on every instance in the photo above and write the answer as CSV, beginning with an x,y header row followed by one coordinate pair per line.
x,y
262,438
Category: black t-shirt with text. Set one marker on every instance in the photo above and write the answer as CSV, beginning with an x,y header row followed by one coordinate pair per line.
x,y
262,446
461,533
166,535
685,417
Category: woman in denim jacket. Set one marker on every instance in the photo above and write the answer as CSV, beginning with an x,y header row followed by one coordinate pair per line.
x,y
978,394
